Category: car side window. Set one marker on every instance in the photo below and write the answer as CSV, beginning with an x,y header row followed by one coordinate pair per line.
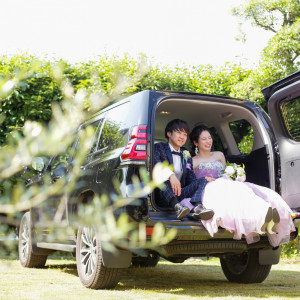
x,y
65,157
243,135
60,160
290,111
114,133
95,127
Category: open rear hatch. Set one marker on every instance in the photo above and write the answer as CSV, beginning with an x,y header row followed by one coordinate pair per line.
x,y
283,99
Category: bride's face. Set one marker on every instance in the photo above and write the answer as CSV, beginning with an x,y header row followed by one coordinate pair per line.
x,y
205,141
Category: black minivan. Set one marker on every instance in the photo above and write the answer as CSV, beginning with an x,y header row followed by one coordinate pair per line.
x,y
124,138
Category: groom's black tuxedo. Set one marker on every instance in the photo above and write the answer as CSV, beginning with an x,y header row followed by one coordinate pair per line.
x,y
191,187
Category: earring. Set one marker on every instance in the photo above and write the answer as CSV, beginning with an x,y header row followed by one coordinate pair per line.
x,y
196,150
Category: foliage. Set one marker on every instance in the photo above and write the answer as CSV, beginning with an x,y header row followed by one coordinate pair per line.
x,y
281,55
270,15
26,146
283,50
199,79
243,135
291,250
36,89
30,92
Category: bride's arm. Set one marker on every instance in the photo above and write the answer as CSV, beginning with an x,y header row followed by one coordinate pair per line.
x,y
222,158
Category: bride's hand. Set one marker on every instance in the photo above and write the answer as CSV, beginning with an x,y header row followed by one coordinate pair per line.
x,y
210,178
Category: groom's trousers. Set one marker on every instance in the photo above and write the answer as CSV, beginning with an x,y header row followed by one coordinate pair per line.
x,y
194,191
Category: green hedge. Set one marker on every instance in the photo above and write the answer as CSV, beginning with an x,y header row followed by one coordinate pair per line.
x,y
32,98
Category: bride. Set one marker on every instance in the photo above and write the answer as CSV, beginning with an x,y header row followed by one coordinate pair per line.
x,y
241,207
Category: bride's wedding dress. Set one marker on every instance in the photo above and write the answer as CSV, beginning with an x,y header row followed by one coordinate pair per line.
x,y
241,207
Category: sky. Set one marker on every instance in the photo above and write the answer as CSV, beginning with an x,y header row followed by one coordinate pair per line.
x,y
169,32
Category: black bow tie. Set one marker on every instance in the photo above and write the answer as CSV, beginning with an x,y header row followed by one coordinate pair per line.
x,y
177,153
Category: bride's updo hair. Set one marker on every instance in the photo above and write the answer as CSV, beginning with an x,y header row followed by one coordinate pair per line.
x,y
194,135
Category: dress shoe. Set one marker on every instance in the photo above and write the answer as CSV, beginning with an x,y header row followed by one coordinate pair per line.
x,y
181,211
271,227
202,213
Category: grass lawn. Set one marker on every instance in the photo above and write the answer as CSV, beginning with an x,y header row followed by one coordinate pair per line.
x,y
193,279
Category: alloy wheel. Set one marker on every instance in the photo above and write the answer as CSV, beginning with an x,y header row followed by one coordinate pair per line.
x,y
88,251
25,241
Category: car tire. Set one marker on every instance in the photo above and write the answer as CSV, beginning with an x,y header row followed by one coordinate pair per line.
x,y
91,270
244,268
27,258
145,262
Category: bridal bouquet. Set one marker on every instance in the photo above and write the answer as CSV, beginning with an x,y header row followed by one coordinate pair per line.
x,y
235,172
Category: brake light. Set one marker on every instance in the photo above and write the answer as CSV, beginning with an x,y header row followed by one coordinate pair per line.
x,y
139,132
149,230
137,146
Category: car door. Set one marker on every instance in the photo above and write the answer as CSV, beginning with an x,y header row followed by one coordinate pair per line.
x,y
283,100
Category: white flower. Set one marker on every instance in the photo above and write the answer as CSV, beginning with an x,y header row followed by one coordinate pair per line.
x,y
234,172
240,171
186,154
229,170
241,178
226,176
161,173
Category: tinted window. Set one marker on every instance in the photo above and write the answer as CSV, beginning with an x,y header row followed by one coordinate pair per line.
x,y
64,158
95,127
243,135
217,145
290,111
61,159
114,133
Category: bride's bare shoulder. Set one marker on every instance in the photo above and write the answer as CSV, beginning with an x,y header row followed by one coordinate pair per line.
x,y
195,161
218,155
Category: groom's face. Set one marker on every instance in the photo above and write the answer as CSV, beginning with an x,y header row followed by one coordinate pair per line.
x,y
177,138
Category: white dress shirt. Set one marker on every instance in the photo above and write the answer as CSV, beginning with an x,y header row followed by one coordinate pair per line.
x,y
177,163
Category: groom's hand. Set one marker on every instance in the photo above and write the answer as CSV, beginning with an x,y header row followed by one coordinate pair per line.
x,y
175,184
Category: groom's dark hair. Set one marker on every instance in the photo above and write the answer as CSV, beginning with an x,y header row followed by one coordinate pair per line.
x,y
177,125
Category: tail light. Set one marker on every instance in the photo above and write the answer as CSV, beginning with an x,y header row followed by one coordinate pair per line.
x,y
149,230
137,146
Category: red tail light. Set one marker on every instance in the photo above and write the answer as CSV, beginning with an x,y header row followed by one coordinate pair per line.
x,y
137,146
149,230
139,132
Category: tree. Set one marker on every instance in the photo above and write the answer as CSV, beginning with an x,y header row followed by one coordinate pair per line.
x,y
281,56
281,17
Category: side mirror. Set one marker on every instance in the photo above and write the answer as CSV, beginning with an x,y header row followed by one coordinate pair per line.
x,y
59,171
38,164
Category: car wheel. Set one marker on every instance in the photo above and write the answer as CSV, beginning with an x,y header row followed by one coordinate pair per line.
x,y
92,273
150,261
26,256
244,268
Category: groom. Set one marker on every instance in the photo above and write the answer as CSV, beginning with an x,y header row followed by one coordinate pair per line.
x,y
182,182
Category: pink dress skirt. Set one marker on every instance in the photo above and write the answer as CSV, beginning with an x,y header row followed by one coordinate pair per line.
x,y
241,207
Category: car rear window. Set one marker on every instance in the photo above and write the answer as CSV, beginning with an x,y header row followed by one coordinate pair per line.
x,y
114,133
290,112
243,135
